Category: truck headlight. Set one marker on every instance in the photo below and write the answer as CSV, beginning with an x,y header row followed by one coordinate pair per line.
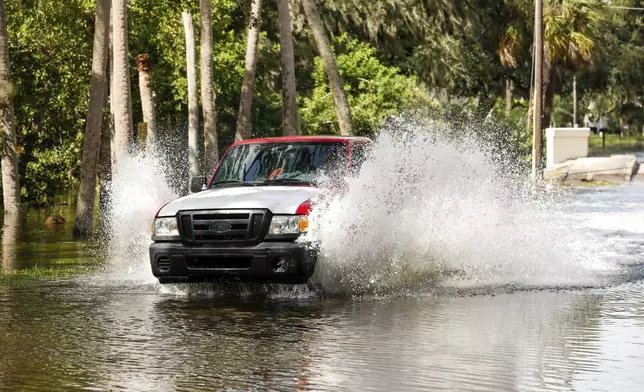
x,y
166,227
288,225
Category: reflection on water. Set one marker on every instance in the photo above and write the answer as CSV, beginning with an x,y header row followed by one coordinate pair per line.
x,y
68,336
27,241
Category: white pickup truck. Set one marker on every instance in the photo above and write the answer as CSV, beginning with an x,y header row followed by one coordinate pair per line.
x,y
243,223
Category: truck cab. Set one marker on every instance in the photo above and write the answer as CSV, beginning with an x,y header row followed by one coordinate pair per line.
x,y
243,223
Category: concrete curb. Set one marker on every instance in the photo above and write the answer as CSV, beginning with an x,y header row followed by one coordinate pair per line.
x,y
615,169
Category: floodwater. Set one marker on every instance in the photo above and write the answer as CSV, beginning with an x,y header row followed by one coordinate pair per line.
x,y
86,334
101,332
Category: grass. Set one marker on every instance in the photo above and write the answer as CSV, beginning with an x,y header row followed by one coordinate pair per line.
x,y
615,144
57,269
40,273
48,261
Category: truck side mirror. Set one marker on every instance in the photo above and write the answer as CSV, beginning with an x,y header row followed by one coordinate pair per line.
x,y
197,184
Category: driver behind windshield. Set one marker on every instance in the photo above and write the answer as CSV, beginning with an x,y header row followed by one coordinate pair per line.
x,y
258,164
294,162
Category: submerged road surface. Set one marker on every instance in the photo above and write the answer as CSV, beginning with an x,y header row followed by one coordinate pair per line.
x,y
76,335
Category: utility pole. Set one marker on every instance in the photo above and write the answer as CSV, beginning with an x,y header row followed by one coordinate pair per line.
x,y
538,60
575,103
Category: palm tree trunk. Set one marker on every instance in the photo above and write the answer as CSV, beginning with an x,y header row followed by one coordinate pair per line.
x,y
83,222
289,94
211,152
105,164
10,229
10,181
208,95
508,97
147,98
330,66
193,99
246,101
111,92
108,144
121,94
445,97
531,111
549,73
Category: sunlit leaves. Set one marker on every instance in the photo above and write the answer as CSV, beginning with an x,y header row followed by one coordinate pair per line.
x,y
375,91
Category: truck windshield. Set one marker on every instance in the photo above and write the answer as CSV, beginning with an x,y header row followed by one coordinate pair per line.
x,y
279,163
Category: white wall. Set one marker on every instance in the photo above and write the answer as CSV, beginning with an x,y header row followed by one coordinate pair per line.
x,y
566,143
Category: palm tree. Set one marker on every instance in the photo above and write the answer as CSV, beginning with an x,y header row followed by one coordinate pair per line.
x,y
289,95
330,66
512,42
571,35
147,98
193,99
386,20
83,222
508,97
10,182
423,35
121,95
108,145
111,93
211,154
105,163
246,101
10,229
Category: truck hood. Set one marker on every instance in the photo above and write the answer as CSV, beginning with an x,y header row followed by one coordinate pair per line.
x,y
278,199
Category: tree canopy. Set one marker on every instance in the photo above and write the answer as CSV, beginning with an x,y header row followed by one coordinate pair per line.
x,y
392,56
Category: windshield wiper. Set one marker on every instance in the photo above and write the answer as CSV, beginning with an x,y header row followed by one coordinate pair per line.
x,y
287,181
241,182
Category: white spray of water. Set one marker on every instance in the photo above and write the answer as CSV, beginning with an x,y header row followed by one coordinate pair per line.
x,y
139,188
425,210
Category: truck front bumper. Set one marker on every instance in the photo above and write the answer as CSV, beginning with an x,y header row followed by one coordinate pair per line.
x,y
269,262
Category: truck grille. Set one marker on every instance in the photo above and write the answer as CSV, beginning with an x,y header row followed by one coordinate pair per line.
x,y
223,226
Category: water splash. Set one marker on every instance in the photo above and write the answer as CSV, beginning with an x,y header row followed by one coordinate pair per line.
x,y
139,187
428,210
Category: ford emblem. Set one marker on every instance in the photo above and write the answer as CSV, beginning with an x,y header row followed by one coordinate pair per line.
x,y
220,227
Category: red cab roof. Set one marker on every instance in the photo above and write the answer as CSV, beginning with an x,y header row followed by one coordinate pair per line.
x,y
292,139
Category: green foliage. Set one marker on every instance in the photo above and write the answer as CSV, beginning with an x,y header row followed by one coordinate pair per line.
x,y
425,38
375,91
50,55
393,56
51,171
563,111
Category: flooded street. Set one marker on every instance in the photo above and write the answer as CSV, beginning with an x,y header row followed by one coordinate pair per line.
x,y
67,336
101,330
310,195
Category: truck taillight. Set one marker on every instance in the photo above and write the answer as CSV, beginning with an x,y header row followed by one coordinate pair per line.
x,y
304,208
